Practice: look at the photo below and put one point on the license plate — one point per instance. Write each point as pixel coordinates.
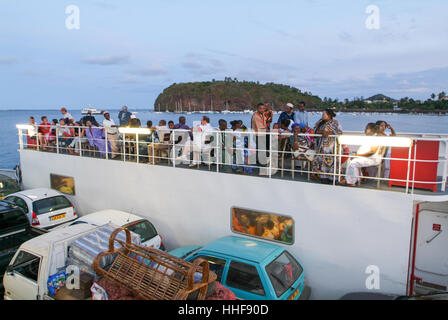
(294, 295)
(59, 216)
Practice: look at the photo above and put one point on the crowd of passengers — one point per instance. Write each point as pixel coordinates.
(313, 145)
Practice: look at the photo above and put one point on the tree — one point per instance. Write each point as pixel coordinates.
(442, 95)
(433, 96)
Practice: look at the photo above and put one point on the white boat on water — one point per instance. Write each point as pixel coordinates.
(383, 238)
(90, 110)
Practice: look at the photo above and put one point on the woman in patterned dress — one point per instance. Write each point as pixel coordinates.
(325, 159)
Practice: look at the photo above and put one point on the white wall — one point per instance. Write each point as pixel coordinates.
(339, 230)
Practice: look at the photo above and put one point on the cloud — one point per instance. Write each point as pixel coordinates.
(107, 61)
(8, 60)
(150, 71)
(200, 64)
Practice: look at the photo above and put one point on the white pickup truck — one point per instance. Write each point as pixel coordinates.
(26, 277)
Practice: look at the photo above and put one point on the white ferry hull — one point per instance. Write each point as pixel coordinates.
(339, 232)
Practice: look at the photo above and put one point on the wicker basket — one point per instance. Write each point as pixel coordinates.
(152, 274)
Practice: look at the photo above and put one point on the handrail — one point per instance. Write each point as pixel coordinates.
(243, 150)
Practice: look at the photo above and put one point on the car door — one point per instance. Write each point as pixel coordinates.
(21, 278)
(244, 279)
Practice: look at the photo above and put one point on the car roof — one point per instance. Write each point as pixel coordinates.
(244, 248)
(38, 194)
(41, 244)
(119, 218)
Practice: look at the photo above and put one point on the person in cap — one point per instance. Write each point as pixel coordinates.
(112, 134)
(67, 116)
(301, 115)
(288, 113)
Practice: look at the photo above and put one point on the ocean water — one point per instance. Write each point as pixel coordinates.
(9, 157)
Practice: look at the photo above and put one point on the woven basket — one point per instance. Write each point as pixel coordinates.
(152, 274)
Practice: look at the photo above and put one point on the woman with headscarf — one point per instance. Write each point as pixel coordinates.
(325, 159)
(96, 136)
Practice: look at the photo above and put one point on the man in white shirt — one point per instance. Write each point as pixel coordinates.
(112, 134)
(301, 115)
(201, 143)
(67, 116)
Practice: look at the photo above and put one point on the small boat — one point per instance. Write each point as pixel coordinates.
(91, 110)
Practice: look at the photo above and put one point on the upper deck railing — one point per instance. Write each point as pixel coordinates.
(416, 163)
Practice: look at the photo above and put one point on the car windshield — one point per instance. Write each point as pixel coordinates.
(8, 186)
(283, 272)
(50, 204)
(144, 229)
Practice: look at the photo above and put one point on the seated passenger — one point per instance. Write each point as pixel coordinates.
(367, 156)
(301, 145)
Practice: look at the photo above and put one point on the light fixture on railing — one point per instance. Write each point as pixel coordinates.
(25, 126)
(134, 130)
(403, 142)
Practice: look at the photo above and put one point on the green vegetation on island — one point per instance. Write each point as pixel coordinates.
(234, 95)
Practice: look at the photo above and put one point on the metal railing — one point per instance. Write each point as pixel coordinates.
(269, 154)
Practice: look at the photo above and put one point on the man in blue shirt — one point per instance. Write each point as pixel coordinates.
(301, 115)
(287, 114)
(124, 116)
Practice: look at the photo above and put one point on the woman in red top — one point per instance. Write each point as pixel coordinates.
(44, 131)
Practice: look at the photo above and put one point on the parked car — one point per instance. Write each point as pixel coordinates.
(252, 269)
(15, 229)
(385, 296)
(8, 185)
(141, 226)
(26, 276)
(45, 208)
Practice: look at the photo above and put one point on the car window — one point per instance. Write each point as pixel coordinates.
(283, 272)
(18, 202)
(216, 265)
(27, 265)
(12, 218)
(144, 229)
(50, 204)
(245, 277)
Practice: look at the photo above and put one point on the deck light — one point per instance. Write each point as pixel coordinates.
(134, 130)
(403, 142)
(25, 126)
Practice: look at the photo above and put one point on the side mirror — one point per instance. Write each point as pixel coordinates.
(10, 270)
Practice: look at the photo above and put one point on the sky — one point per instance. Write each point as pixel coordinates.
(127, 52)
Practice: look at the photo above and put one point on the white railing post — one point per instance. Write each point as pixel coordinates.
(20, 139)
(152, 146)
(334, 159)
(409, 168)
(218, 152)
(173, 133)
(79, 141)
(124, 147)
(137, 147)
(57, 138)
(107, 147)
(270, 154)
(37, 137)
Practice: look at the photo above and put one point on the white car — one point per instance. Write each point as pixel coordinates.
(44, 208)
(139, 225)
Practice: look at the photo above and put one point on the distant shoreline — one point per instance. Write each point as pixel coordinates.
(413, 112)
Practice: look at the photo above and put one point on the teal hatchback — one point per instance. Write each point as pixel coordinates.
(253, 270)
